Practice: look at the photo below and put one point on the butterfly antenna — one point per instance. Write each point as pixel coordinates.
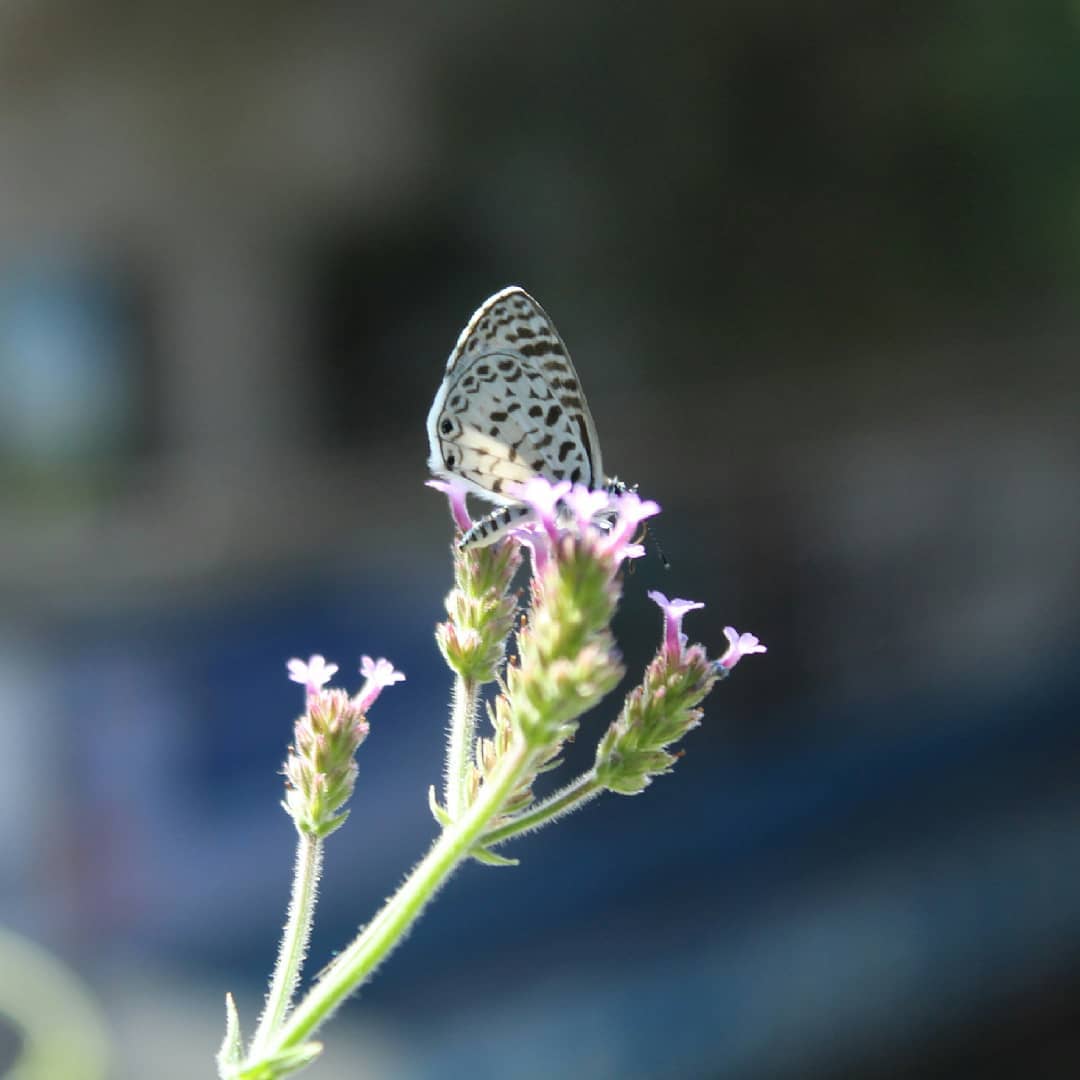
(651, 533)
(664, 561)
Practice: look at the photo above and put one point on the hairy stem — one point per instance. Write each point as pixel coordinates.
(360, 959)
(460, 749)
(294, 939)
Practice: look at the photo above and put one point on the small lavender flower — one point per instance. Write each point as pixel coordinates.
(739, 645)
(314, 674)
(455, 491)
(532, 535)
(378, 674)
(674, 610)
(586, 505)
(631, 511)
(544, 498)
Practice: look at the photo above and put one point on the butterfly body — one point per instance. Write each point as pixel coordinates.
(511, 407)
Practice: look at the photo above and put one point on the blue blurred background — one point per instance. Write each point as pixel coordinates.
(818, 267)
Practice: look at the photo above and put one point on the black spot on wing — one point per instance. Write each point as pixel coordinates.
(583, 431)
(542, 347)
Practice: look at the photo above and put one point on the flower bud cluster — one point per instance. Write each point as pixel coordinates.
(656, 714)
(320, 771)
(566, 653)
(664, 707)
(480, 607)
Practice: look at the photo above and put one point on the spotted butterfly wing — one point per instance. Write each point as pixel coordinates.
(510, 407)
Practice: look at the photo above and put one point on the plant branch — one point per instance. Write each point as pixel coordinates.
(563, 802)
(360, 959)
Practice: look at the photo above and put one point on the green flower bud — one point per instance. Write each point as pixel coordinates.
(481, 611)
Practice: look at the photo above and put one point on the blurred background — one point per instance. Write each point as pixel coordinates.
(817, 266)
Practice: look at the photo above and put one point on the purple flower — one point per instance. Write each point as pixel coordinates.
(314, 674)
(586, 504)
(739, 645)
(532, 535)
(543, 496)
(631, 511)
(455, 491)
(379, 674)
(673, 610)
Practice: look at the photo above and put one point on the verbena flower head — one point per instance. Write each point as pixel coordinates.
(321, 770)
(739, 645)
(455, 492)
(315, 673)
(666, 705)
(674, 610)
(605, 522)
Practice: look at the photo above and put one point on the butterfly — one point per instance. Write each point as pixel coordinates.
(511, 407)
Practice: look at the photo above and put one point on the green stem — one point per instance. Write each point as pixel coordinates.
(567, 799)
(294, 939)
(386, 930)
(459, 751)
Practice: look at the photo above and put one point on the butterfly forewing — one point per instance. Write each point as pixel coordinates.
(510, 406)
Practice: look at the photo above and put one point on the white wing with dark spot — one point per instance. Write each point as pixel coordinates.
(510, 405)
